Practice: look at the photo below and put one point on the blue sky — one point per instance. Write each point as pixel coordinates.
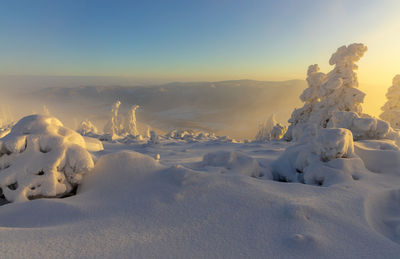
(187, 40)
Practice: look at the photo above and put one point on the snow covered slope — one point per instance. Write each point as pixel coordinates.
(193, 203)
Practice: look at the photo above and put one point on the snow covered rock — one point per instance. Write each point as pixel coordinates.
(334, 143)
(327, 158)
(391, 109)
(41, 158)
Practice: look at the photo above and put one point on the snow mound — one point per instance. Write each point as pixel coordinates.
(383, 213)
(232, 162)
(113, 169)
(41, 158)
(325, 159)
(379, 156)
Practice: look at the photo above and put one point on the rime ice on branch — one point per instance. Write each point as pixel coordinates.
(391, 109)
(329, 93)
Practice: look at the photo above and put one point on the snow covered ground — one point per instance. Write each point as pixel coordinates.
(220, 206)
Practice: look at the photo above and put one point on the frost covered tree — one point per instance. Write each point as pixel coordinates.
(87, 128)
(148, 134)
(270, 130)
(154, 138)
(391, 109)
(265, 128)
(131, 127)
(277, 132)
(329, 93)
(113, 126)
(41, 158)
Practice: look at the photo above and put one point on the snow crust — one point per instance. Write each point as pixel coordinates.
(41, 158)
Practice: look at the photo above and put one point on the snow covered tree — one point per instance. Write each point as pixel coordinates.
(391, 109)
(329, 93)
(131, 127)
(277, 132)
(87, 128)
(265, 128)
(270, 130)
(113, 126)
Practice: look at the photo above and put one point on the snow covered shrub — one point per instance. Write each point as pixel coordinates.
(277, 132)
(41, 158)
(324, 159)
(391, 109)
(87, 128)
(329, 93)
(154, 139)
(270, 130)
(190, 135)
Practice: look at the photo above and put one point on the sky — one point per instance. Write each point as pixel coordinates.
(197, 40)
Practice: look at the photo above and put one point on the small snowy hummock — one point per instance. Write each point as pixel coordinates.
(391, 109)
(232, 162)
(41, 158)
(327, 158)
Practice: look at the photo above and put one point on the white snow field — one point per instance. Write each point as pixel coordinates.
(208, 200)
(329, 187)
